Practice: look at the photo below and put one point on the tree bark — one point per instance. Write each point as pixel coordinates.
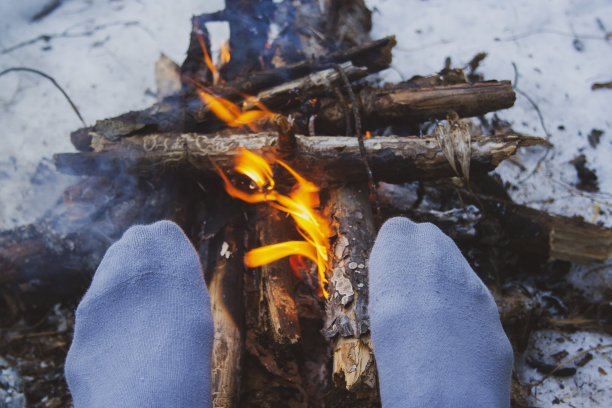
(347, 320)
(226, 303)
(409, 103)
(327, 159)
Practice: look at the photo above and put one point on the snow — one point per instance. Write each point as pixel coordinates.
(102, 52)
(539, 39)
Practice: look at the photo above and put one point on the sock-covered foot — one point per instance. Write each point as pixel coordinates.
(437, 336)
(143, 332)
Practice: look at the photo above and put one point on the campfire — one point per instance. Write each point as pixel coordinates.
(280, 161)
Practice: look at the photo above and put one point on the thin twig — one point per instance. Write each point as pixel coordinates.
(50, 78)
(68, 34)
(539, 113)
(537, 109)
(359, 134)
(589, 196)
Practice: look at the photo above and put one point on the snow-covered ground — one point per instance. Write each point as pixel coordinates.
(103, 52)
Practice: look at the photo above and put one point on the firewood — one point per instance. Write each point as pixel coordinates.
(328, 159)
(347, 322)
(411, 102)
(177, 115)
(554, 237)
(277, 277)
(374, 55)
(524, 231)
(225, 289)
(405, 103)
(309, 86)
(63, 248)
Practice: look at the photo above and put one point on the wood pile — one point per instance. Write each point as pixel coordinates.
(276, 342)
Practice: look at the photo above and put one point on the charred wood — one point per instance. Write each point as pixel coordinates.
(60, 250)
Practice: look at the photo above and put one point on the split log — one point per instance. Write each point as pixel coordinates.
(278, 283)
(347, 321)
(554, 237)
(325, 158)
(528, 232)
(226, 303)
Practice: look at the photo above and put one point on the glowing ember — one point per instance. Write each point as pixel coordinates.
(300, 204)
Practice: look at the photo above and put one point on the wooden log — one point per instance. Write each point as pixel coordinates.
(226, 303)
(328, 159)
(178, 115)
(554, 237)
(310, 86)
(347, 321)
(62, 249)
(410, 103)
(405, 103)
(278, 283)
(524, 231)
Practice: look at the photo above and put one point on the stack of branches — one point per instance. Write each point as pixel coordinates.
(272, 332)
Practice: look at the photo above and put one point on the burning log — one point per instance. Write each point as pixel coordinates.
(347, 321)
(330, 159)
(278, 286)
(404, 103)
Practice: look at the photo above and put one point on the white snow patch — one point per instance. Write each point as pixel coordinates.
(542, 39)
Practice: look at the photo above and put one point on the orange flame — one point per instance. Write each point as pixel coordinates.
(224, 54)
(231, 113)
(300, 204)
(367, 134)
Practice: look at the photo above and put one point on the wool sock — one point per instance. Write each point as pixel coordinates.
(143, 331)
(437, 337)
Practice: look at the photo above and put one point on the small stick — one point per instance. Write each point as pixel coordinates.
(50, 78)
(359, 133)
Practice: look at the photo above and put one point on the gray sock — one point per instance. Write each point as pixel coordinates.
(143, 333)
(437, 336)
